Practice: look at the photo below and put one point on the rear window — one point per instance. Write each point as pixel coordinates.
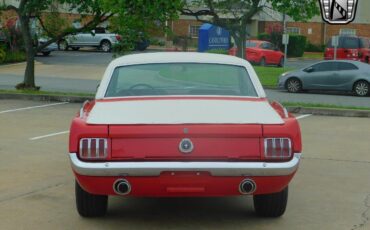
(180, 79)
(347, 43)
(250, 44)
(347, 66)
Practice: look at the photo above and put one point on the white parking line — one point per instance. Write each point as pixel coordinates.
(303, 116)
(32, 107)
(48, 135)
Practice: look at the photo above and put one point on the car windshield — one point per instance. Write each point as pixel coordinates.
(180, 79)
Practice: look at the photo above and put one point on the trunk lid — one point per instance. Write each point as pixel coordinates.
(228, 129)
(183, 111)
(162, 142)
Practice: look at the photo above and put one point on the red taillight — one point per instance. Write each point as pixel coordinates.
(278, 148)
(93, 148)
(118, 37)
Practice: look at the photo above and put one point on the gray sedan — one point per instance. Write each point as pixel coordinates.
(329, 75)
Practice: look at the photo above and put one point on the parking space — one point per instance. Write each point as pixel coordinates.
(330, 191)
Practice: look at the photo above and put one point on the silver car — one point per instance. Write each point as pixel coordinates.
(99, 38)
(329, 75)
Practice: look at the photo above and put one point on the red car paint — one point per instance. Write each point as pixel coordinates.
(258, 51)
(231, 143)
(350, 48)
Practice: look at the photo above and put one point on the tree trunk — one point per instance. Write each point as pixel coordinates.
(240, 38)
(29, 74)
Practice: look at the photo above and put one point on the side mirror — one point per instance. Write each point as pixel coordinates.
(309, 69)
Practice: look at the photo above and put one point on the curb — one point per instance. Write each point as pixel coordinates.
(42, 97)
(330, 112)
(291, 109)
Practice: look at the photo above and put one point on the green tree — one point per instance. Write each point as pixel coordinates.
(28, 10)
(131, 17)
(134, 19)
(235, 15)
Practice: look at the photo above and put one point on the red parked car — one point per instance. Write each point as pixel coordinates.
(183, 125)
(349, 48)
(262, 53)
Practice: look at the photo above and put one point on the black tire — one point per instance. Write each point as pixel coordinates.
(46, 53)
(293, 85)
(367, 60)
(263, 62)
(89, 205)
(63, 45)
(106, 46)
(271, 205)
(75, 48)
(281, 62)
(361, 88)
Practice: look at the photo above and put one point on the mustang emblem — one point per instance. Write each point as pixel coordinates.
(186, 146)
(338, 11)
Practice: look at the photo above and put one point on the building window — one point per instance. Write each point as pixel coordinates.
(194, 31)
(346, 31)
(293, 30)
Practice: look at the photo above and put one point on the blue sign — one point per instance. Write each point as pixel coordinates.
(213, 37)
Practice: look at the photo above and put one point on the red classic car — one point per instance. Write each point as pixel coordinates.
(262, 53)
(183, 125)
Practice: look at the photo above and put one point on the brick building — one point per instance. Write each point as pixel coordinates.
(316, 30)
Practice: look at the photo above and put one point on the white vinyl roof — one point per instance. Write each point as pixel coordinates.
(177, 57)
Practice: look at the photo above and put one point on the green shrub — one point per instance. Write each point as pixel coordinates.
(264, 36)
(218, 51)
(297, 45)
(2, 55)
(14, 56)
(314, 48)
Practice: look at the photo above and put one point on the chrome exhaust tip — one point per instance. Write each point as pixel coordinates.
(121, 187)
(247, 186)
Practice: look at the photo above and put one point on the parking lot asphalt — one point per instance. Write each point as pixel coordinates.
(82, 71)
(331, 190)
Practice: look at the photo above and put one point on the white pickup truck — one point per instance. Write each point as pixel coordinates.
(99, 38)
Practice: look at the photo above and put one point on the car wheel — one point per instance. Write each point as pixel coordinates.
(271, 205)
(293, 85)
(89, 205)
(367, 60)
(281, 62)
(361, 88)
(75, 48)
(106, 46)
(63, 45)
(263, 62)
(46, 53)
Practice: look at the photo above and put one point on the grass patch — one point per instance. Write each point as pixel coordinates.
(313, 55)
(13, 57)
(269, 76)
(48, 93)
(324, 106)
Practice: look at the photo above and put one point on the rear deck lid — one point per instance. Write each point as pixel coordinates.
(183, 111)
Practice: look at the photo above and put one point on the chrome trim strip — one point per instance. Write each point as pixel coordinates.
(156, 168)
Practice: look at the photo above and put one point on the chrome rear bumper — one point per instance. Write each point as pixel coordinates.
(156, 168)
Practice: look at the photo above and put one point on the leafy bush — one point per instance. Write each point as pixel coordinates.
(264, 37)
(156, 42)
(314, 48)
(2, 56)
(14, 56)
(297, 45)
(218, 51)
